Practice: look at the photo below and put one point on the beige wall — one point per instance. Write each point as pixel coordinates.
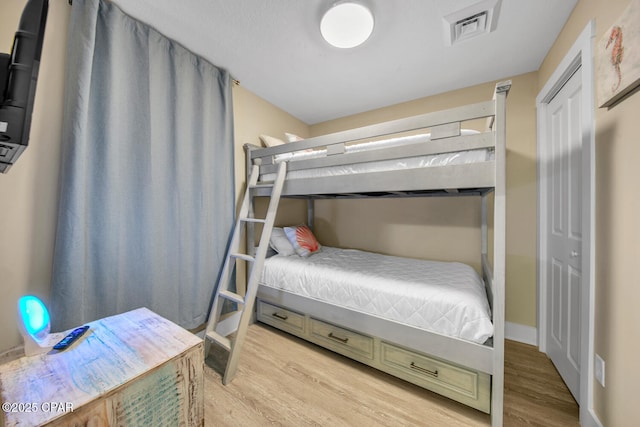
(253, 117)
(29, 191)
(448, 228)
(617, 318)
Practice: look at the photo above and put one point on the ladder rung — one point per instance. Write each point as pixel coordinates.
(223, 341)
(232, 296)
(263, 185)
(256, 220)
(242, 256)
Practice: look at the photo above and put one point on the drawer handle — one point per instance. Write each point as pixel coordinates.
(424, 370)
(280, 316)
(335, 337)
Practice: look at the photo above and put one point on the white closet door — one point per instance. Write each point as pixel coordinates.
(565, 233)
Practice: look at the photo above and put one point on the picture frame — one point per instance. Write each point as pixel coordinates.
(617, 59)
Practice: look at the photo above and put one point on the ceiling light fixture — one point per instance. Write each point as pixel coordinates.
(347, 24)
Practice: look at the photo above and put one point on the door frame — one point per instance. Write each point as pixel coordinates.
(579, 59)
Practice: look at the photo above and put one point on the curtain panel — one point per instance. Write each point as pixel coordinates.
(146, 190)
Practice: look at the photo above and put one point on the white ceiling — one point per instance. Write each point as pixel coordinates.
(274, 48)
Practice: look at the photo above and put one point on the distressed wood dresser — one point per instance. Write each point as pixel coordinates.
(136, 368)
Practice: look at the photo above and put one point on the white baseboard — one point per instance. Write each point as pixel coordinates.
(521, 333)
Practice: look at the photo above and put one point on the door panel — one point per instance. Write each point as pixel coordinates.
(575, 282)
(556, 301)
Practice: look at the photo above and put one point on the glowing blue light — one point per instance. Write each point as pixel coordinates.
(34, 316)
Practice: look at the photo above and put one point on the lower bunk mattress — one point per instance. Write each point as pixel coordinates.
(448, 298)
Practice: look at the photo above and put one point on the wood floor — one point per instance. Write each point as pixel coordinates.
(285, 381)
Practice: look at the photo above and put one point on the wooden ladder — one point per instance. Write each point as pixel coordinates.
(229, 331)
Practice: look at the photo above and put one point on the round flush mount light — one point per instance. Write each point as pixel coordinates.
(347, 25)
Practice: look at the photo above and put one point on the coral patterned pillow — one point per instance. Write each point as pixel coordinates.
(302, 239)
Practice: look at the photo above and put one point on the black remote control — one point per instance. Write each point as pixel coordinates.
(69, 339)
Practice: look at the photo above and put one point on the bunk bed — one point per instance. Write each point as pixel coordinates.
(425, 155)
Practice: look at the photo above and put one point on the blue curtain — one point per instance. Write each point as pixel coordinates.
(146, 190)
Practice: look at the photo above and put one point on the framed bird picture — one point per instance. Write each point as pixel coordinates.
(618, 58)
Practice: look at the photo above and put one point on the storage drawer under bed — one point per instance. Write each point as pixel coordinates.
(281, 318)
(457, 382)
(340, 340)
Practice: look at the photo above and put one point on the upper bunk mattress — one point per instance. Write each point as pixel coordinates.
(444, 297)
(441, 159)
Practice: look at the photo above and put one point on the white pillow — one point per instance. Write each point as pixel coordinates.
(292, 137)
(270, 141)
(280, 243)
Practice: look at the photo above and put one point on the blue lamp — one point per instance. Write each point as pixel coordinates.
(34, 324)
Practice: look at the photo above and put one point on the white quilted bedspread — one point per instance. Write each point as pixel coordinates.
(444, 297)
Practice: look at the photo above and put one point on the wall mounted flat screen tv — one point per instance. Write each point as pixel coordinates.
(18, 78)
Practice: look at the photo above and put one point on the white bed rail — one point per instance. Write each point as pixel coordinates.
(442, 124)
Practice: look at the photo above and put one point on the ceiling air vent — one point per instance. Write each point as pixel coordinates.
(472, 21)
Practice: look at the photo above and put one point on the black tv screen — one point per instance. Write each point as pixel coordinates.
(18, 78)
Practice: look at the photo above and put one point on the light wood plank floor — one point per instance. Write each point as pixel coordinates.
(285, 381)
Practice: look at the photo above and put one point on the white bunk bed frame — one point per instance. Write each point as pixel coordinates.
(476, 179)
